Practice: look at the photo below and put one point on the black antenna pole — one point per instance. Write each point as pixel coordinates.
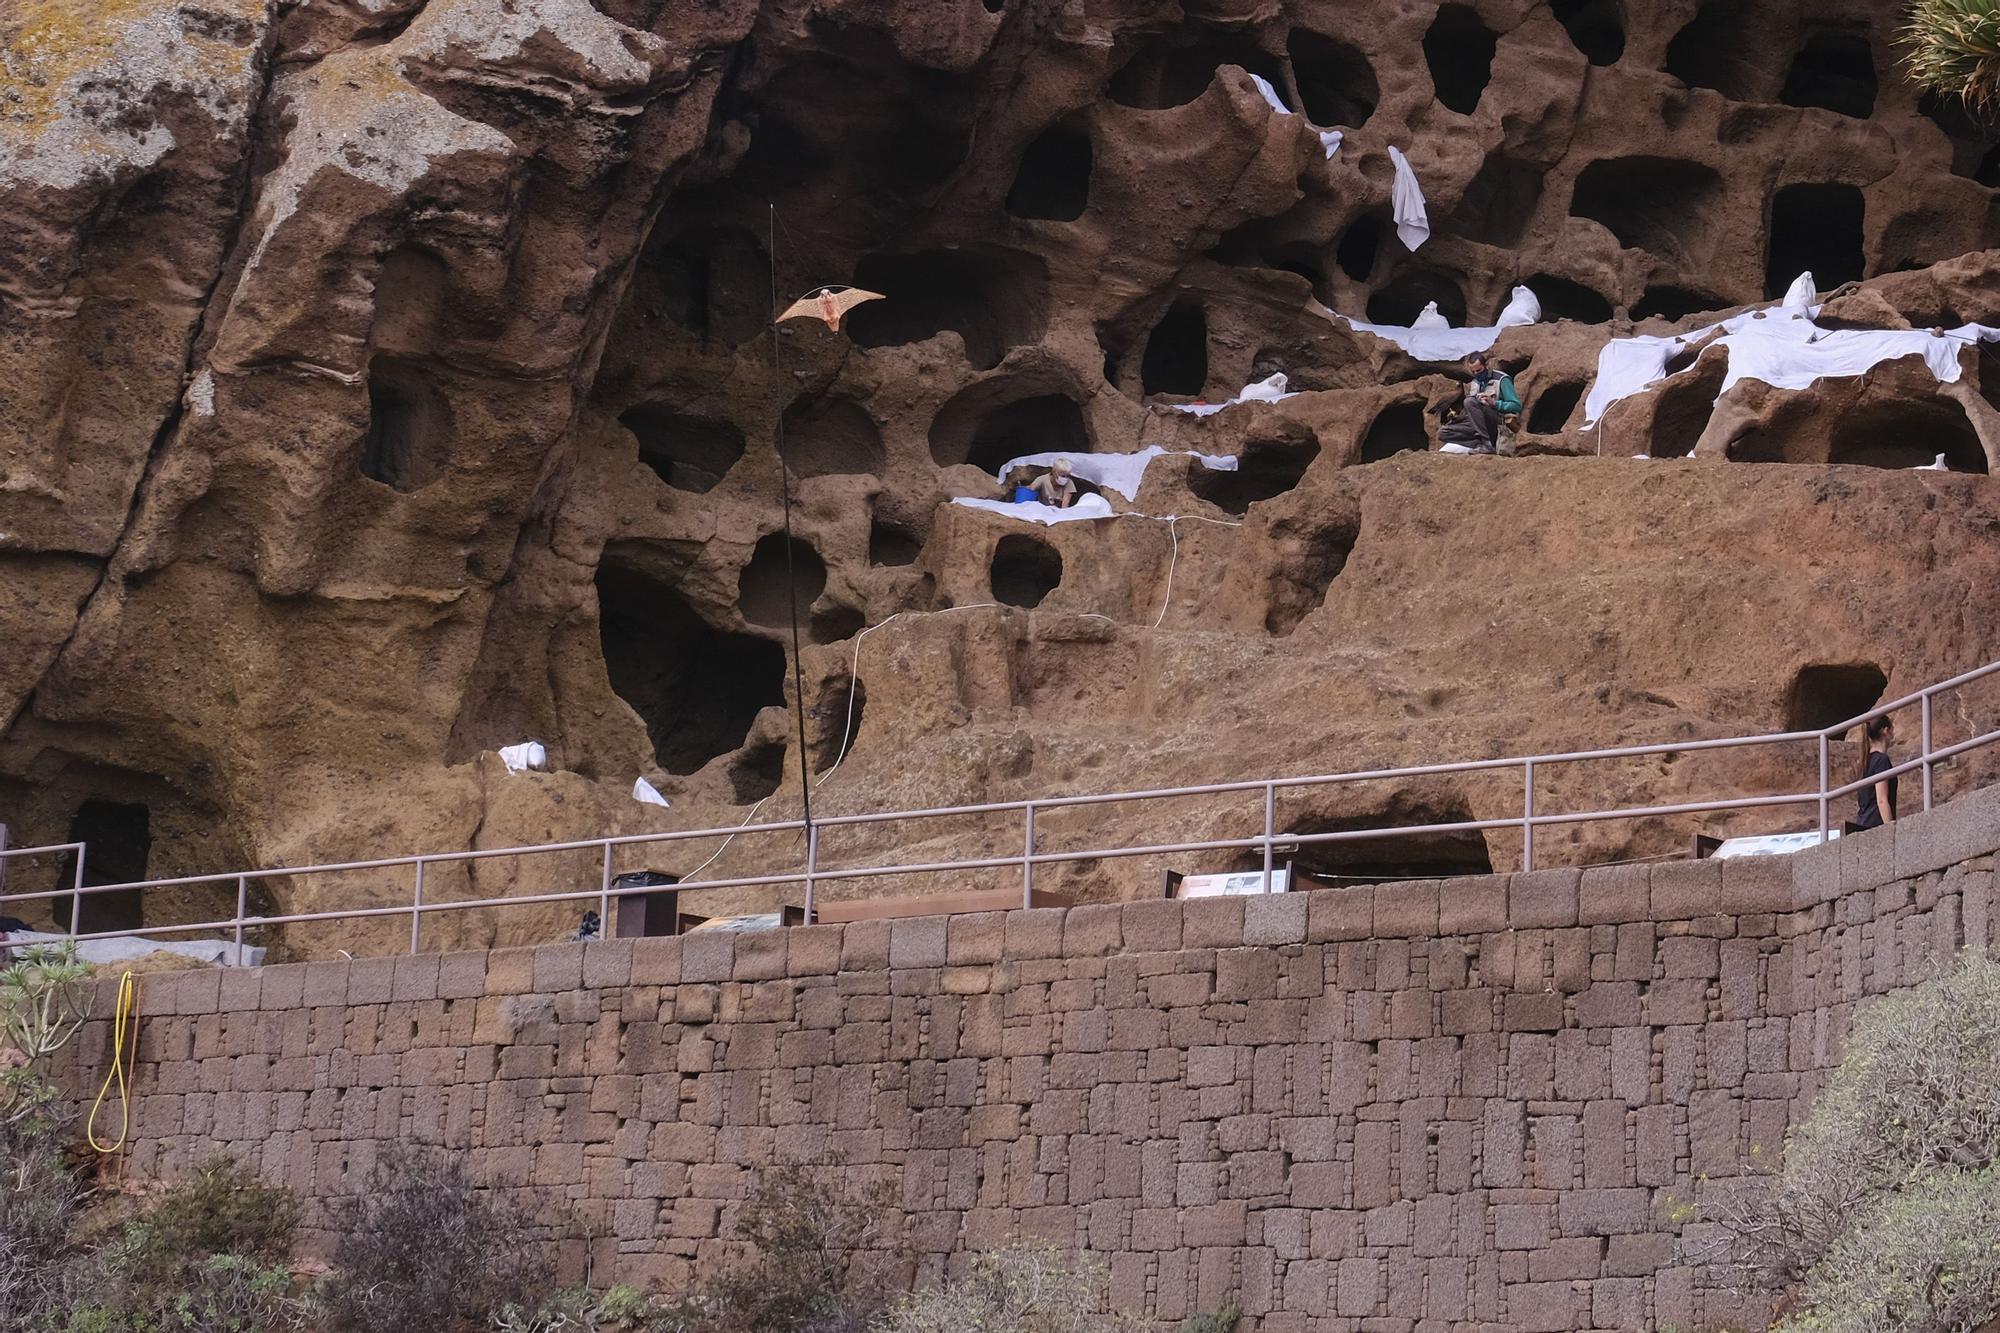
(791, 578)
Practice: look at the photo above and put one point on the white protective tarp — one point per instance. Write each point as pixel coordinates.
(1123, 473)
(1086, 507)
(527, 755)
(1328, 139)
(124, 948)
(1413, 223)
(1769, 844)
(1779, 347)
(645, 793)
(1437, 340)
(1523, 308)
(1271, 390)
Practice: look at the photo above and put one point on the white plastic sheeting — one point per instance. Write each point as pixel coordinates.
(1769, 844)
(527, 755)
(1413, 222)
(1428, 340)
(124, 948)
(1328, 139)
(1430, 318)
(1123, 473)
(1034, 511)
(1801, 294)
(645, 793)
(1780, 347)
(1272, 390)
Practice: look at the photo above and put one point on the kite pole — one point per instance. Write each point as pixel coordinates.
(828, 304)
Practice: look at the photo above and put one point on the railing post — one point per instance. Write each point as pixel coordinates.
(1927, 750)
(1825, 775)
(417, 909)
(76, 894)
(242, 908)
(1527, 814)
(1270, 829)
(812, 867)
(1028, 860)
(604, 896)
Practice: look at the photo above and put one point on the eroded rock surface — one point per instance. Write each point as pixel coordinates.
(390, 381)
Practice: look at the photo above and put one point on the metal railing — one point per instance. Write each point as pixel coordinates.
(812, 874)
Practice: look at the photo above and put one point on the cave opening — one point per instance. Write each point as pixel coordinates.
(995, 299)
(1399, 428)
(1053, 181)
(892, 544)
(1563, 299)
(1459, 50)
(1394, 856)
(1553, 407)
(1265, 470)
(762, 588)
(1657, 204)
(1399, 301)
(836, 623)
(1025, 570)
(1835, 69)
(1335, 81)
(697, 688)
(1826, 694)
(1045, 423)
(1176, 357)
(1358, 247)
(829, 437)
(409, 425)
(1164, 74)
(1906, 433)
(118, 844)
(1597, 27)
(713, 282)
(1686, 403)
(1818, 228)
(688, 453)
(1499, 203)
(839, 713)
(1714, 50)
(755, 774)
(1975, 144)
(1672, 303)
(1310, 555)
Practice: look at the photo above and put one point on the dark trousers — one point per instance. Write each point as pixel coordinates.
(1478, 426)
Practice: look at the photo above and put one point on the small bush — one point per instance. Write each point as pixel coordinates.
(580, 1310)
(825, 1260)
(1224, 1320)
(422, 1251)
(1953, 47)
(207, 1256)
(1019, 1289)
(1884, 1215)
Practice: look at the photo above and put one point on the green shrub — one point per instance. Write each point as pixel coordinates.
(1954, 48)
(423, 1251)
(825, 1259)
(580, 1310)
(1224, 1320)
(1884, 1214)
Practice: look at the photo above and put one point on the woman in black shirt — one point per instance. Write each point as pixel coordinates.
(1877, 801)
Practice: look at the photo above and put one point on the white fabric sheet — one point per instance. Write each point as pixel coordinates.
(1523, 308)
(1328, 139)
(1430, 319)
(124, 948)
(1086, 507)
(1769, 844)
(1801, 294)
(1446, 344)
(526, 755)
(1413, 223)
(1270, 390)
(1123, 473)
(1781, 348)
(645, 793)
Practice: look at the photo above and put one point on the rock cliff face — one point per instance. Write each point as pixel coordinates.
(391, 380)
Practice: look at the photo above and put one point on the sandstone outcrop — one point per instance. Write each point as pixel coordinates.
(390, 381)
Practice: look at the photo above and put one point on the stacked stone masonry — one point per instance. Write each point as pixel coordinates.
(1475, 1103)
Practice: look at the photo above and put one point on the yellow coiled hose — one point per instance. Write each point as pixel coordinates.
(124, 1059)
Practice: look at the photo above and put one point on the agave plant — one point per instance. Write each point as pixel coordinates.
(44, 998)
(1954, 48)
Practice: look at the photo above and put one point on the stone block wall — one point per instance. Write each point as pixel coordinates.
(1475, 1103)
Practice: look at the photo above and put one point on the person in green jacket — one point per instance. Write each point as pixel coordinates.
(1474, 421)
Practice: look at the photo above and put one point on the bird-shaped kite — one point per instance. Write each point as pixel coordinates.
(828, 303)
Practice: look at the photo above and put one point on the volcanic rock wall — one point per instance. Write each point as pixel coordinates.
(390, 381)
(1494, 1102)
